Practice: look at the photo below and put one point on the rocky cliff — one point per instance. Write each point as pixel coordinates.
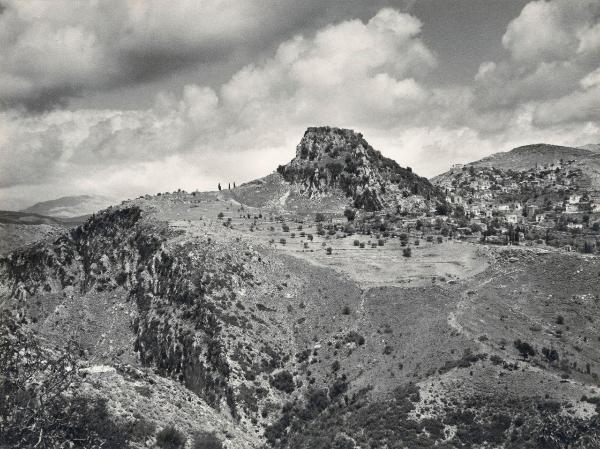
(333, 158)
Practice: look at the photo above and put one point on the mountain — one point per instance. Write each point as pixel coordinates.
(332, 158)
(594, 147)
(538, 157)
(218, 319)
(336, 168)
(71, 206)
(530, 156)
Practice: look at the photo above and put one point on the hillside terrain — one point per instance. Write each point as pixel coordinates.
(319, 307)
(71, 206)
(21, 228)
(530, 156)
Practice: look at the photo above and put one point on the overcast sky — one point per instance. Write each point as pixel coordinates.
(121, 98)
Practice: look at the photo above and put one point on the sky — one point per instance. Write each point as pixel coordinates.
(126, 97)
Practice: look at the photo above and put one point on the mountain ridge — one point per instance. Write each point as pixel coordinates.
(71, 206)
(528, 156)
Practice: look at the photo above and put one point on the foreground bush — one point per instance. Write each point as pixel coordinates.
(40, 402)
(170, 438)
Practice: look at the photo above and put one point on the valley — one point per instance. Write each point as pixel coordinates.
(336, 310)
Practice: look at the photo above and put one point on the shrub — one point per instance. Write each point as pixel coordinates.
(560, 320)
(380, 242)
(309, 237)
(355, 337)
(206, 440)
(329, 250)
(221, 215)
(524, 348)
(346, 310)
(350, 214)
(282, 241)
(407, 252)
(319, 217)
(356, 243)
(65, 415)
(550, 354)
(335, 366)
(283, 381)
(170, 438)
(285, 228)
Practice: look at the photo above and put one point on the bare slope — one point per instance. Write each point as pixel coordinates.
(279, 350)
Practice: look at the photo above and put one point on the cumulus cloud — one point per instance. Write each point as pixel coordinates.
(553, 46)
(368, 74)
(53, 51)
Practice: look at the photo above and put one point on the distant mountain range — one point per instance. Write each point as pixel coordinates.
(71, 206)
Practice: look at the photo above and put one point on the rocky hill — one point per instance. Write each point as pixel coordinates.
(329, 159)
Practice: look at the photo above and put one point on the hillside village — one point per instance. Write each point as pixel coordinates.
(551, 202)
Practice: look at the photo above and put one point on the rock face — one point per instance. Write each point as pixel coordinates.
(333, 158)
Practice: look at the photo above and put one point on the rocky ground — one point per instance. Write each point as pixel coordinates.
(179, 316)
(243, 318)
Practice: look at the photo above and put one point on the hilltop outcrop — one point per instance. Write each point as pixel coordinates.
(333, 158)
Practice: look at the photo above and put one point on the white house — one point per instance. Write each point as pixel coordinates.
(571, 208)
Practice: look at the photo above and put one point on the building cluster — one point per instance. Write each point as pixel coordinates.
(554, 196)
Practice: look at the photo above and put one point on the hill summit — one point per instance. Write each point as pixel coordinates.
(333, 158)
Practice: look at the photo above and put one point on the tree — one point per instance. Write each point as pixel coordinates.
(350, 214)
(524, 348)
(170, 438)
(319, 217)
(550, 354)
(442, 209)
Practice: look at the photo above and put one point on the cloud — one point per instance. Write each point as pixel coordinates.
(551, 46)
(368, 74)
(53, 51)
